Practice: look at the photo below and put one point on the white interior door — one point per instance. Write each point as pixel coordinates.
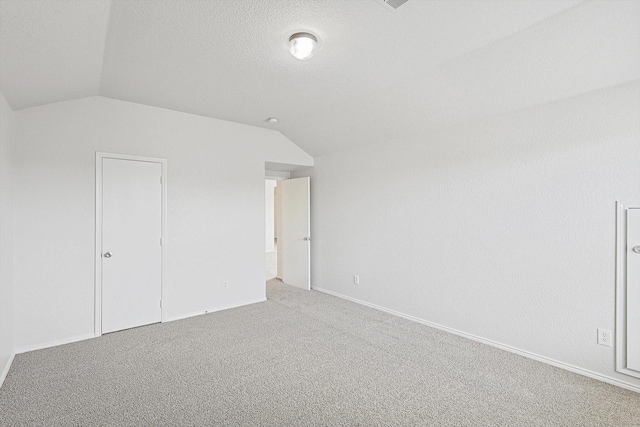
(131, 245)
(633, 289)
(295, 247)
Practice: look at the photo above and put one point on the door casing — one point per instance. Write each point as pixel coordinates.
(98, 233)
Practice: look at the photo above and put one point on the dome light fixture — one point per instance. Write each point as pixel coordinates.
(272, 120)
(302, 45)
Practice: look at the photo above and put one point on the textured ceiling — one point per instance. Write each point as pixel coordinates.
(51, 50)
(377, 76)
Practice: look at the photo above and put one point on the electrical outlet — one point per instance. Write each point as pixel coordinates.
(225, 285)
(356, 279)
(604, 337)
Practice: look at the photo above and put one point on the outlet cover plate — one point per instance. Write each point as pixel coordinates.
(605, 337)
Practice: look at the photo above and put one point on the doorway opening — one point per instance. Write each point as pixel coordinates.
(273, 222)
(287, 225)
(271, 228)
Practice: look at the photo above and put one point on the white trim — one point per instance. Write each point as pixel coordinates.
(98, 234)
(276, 175)
(5, 371)
(501, 346)
(224, 307)
(54, 343)
(621, 292)
(91, 336)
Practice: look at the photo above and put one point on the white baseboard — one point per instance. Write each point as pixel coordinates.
(5, 370)
(539, 358)
(213, 310)
(53, 343)
(89, 336)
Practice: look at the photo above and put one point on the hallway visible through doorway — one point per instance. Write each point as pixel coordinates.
(271, 252)
(287, 227)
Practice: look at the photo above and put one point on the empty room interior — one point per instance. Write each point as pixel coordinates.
(444, 195)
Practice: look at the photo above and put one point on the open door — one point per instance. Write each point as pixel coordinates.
(294, 249)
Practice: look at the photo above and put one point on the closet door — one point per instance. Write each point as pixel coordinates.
(633, 289)
(131, 243)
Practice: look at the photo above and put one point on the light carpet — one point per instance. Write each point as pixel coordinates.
(302, 358)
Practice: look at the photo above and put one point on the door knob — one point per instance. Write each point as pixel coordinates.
(107, 255)
(636, 249)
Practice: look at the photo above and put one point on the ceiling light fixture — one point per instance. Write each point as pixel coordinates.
(272, 120)
(302, 45)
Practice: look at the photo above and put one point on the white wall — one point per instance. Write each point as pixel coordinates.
(6, 238)
(215, 218)
(269, 214)
(502, 228)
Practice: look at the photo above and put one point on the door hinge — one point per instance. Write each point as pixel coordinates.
(160, 303)
(161, 241)
(160, 179)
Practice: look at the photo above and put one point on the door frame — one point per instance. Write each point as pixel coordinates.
(98, 233)
(621, 292)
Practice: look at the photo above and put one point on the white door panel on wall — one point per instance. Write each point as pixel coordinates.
(633, 289)
(131, 246)
(628, 290)
(295, 248)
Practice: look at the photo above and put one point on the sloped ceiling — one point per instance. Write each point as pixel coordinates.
(51, 50)
(377, 75)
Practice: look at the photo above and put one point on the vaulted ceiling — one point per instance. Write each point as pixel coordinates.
(377, 76)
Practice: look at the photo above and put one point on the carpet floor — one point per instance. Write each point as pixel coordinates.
(302, 358)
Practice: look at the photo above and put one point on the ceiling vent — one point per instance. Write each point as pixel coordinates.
(391, 5)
